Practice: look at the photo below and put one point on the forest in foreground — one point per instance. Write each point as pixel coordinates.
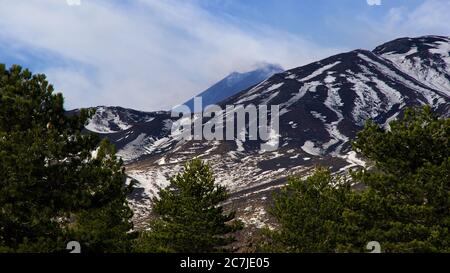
(59, 184)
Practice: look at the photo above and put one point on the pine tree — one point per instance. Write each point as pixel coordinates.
(406, 206)
(404, 203)
(189, 215)
(309, 214)
(52, 188)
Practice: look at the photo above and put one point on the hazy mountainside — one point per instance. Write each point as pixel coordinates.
(322, 107)
(234, 83)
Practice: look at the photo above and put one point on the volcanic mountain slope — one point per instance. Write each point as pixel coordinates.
(234, 83)
(425, 58)
(109, 120)
(322, 107)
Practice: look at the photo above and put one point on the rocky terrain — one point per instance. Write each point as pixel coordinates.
(322, 106)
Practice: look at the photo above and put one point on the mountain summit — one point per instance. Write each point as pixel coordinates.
(234, 83)
(426, 58)
(322, 107)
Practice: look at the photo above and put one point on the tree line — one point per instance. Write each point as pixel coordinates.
(59, 184)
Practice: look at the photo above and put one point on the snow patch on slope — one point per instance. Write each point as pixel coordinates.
(319, 71)
(431, 97)
(310, 148)
(103, 117)
(433, 76)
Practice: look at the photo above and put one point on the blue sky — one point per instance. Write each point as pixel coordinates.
(153, 54)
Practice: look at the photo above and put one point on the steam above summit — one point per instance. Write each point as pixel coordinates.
(322, 107)
(233, 83)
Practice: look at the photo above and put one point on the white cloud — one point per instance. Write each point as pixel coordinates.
(146, 54)
(73, 2)
(429, 18)
(374, 2)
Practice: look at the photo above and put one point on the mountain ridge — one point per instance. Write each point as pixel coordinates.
(233, 83)
(322, 106)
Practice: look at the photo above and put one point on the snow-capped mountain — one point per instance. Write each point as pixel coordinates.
(322, 107)
(424, 58)
(108, 120)
(234, 83)
(324, 104)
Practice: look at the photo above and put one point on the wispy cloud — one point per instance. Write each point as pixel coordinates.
(73, 2)
(431, 17)
(374, 2)
(146, 54)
